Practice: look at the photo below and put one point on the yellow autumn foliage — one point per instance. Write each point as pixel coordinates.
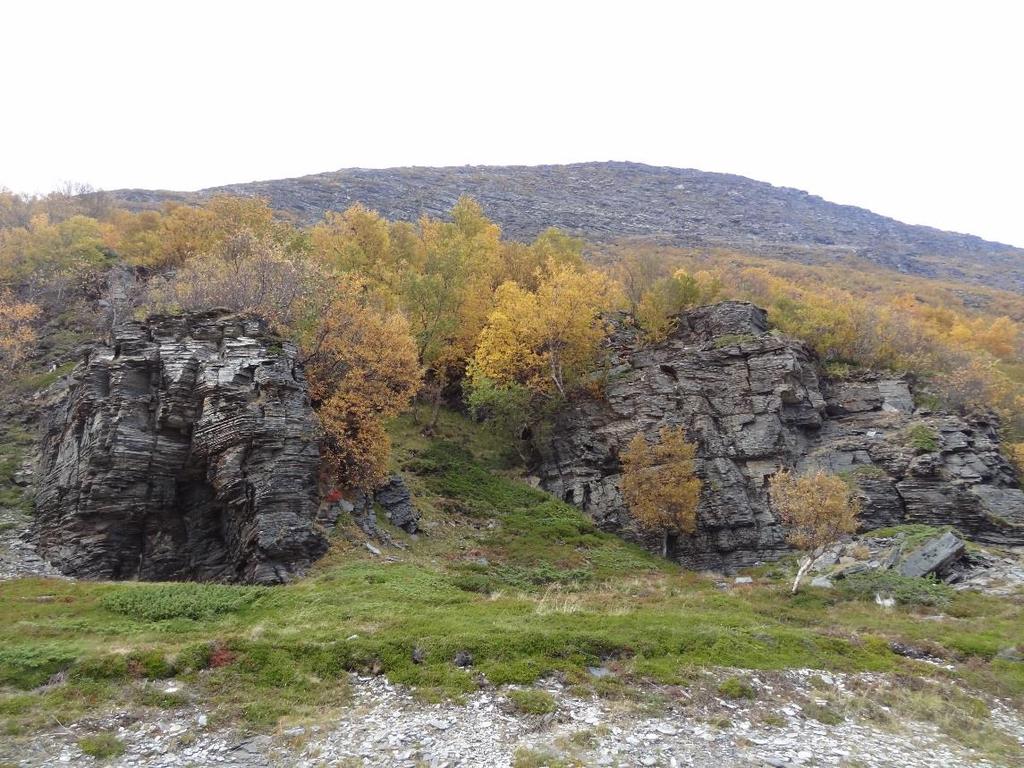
(660, 484)
(548, 338)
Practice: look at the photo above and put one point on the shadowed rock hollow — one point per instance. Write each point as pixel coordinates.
(754, 401)
(187, 450)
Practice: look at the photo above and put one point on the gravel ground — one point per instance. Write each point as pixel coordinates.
(386, 726)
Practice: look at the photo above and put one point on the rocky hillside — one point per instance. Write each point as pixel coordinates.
(754, 402)
(608, 201)
(188, 449)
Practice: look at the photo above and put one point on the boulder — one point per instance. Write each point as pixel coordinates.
(396, 501)
(934, 556)
(186, 449)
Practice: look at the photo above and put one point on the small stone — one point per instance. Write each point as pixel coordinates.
(373, 550)
(821, 582)
(743, 580)
(463, 659)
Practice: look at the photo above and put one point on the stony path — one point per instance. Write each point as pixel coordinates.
(386, 727)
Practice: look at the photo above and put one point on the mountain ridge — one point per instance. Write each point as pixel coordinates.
(610, 201)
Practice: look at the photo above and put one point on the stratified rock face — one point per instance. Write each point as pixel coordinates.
(754, 403)
(189, 450)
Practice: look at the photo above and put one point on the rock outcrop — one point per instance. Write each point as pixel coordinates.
(186, 450)
(754, 402)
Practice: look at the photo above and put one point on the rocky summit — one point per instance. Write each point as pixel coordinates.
(755, 401)
(187, 449)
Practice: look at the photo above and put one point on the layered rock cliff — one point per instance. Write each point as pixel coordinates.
(186, 450)
(755, 402)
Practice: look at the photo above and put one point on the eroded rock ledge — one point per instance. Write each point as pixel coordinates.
(187, 450)
(754, 402)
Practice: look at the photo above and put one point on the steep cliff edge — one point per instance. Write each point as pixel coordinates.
(754, 402)
(187, 450)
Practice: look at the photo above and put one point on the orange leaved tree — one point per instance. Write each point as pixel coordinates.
(660, 484)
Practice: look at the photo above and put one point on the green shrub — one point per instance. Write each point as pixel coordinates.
(905, 590)
(475, 582)
(530, 701)
(153, 665)
(102, 746)
(153, 697)
(160, 602)
(194, 657)
(923, 439)
(106, 667)
(736, 688)
(29, 666)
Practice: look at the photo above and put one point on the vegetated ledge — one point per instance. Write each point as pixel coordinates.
(755, 401)
(186, 450)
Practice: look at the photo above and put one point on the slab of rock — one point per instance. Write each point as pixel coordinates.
(187, 449)
(934, 556)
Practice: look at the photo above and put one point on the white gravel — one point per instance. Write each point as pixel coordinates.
(386, 726)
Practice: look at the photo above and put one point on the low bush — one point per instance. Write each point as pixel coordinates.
(736, 688)
(160, 602)
(905, 590)
(923, 438)
(102, 746)
(530, 701)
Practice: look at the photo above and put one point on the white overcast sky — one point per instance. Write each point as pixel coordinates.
(912, 109)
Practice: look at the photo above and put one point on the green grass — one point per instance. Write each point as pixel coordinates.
(102, 746)
(161, 602)
(736, 688)
(923, 439)
(906, 591)
(532, 702)
(542, 758)
(912, 535)
(521, 581)
(36, 381)
(15, 443)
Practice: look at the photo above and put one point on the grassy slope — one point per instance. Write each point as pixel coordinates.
(518, 579)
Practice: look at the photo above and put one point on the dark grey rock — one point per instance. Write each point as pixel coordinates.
(754, 402)
(933, 556)
(463, 659)
(186, 450)
(396, 501)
